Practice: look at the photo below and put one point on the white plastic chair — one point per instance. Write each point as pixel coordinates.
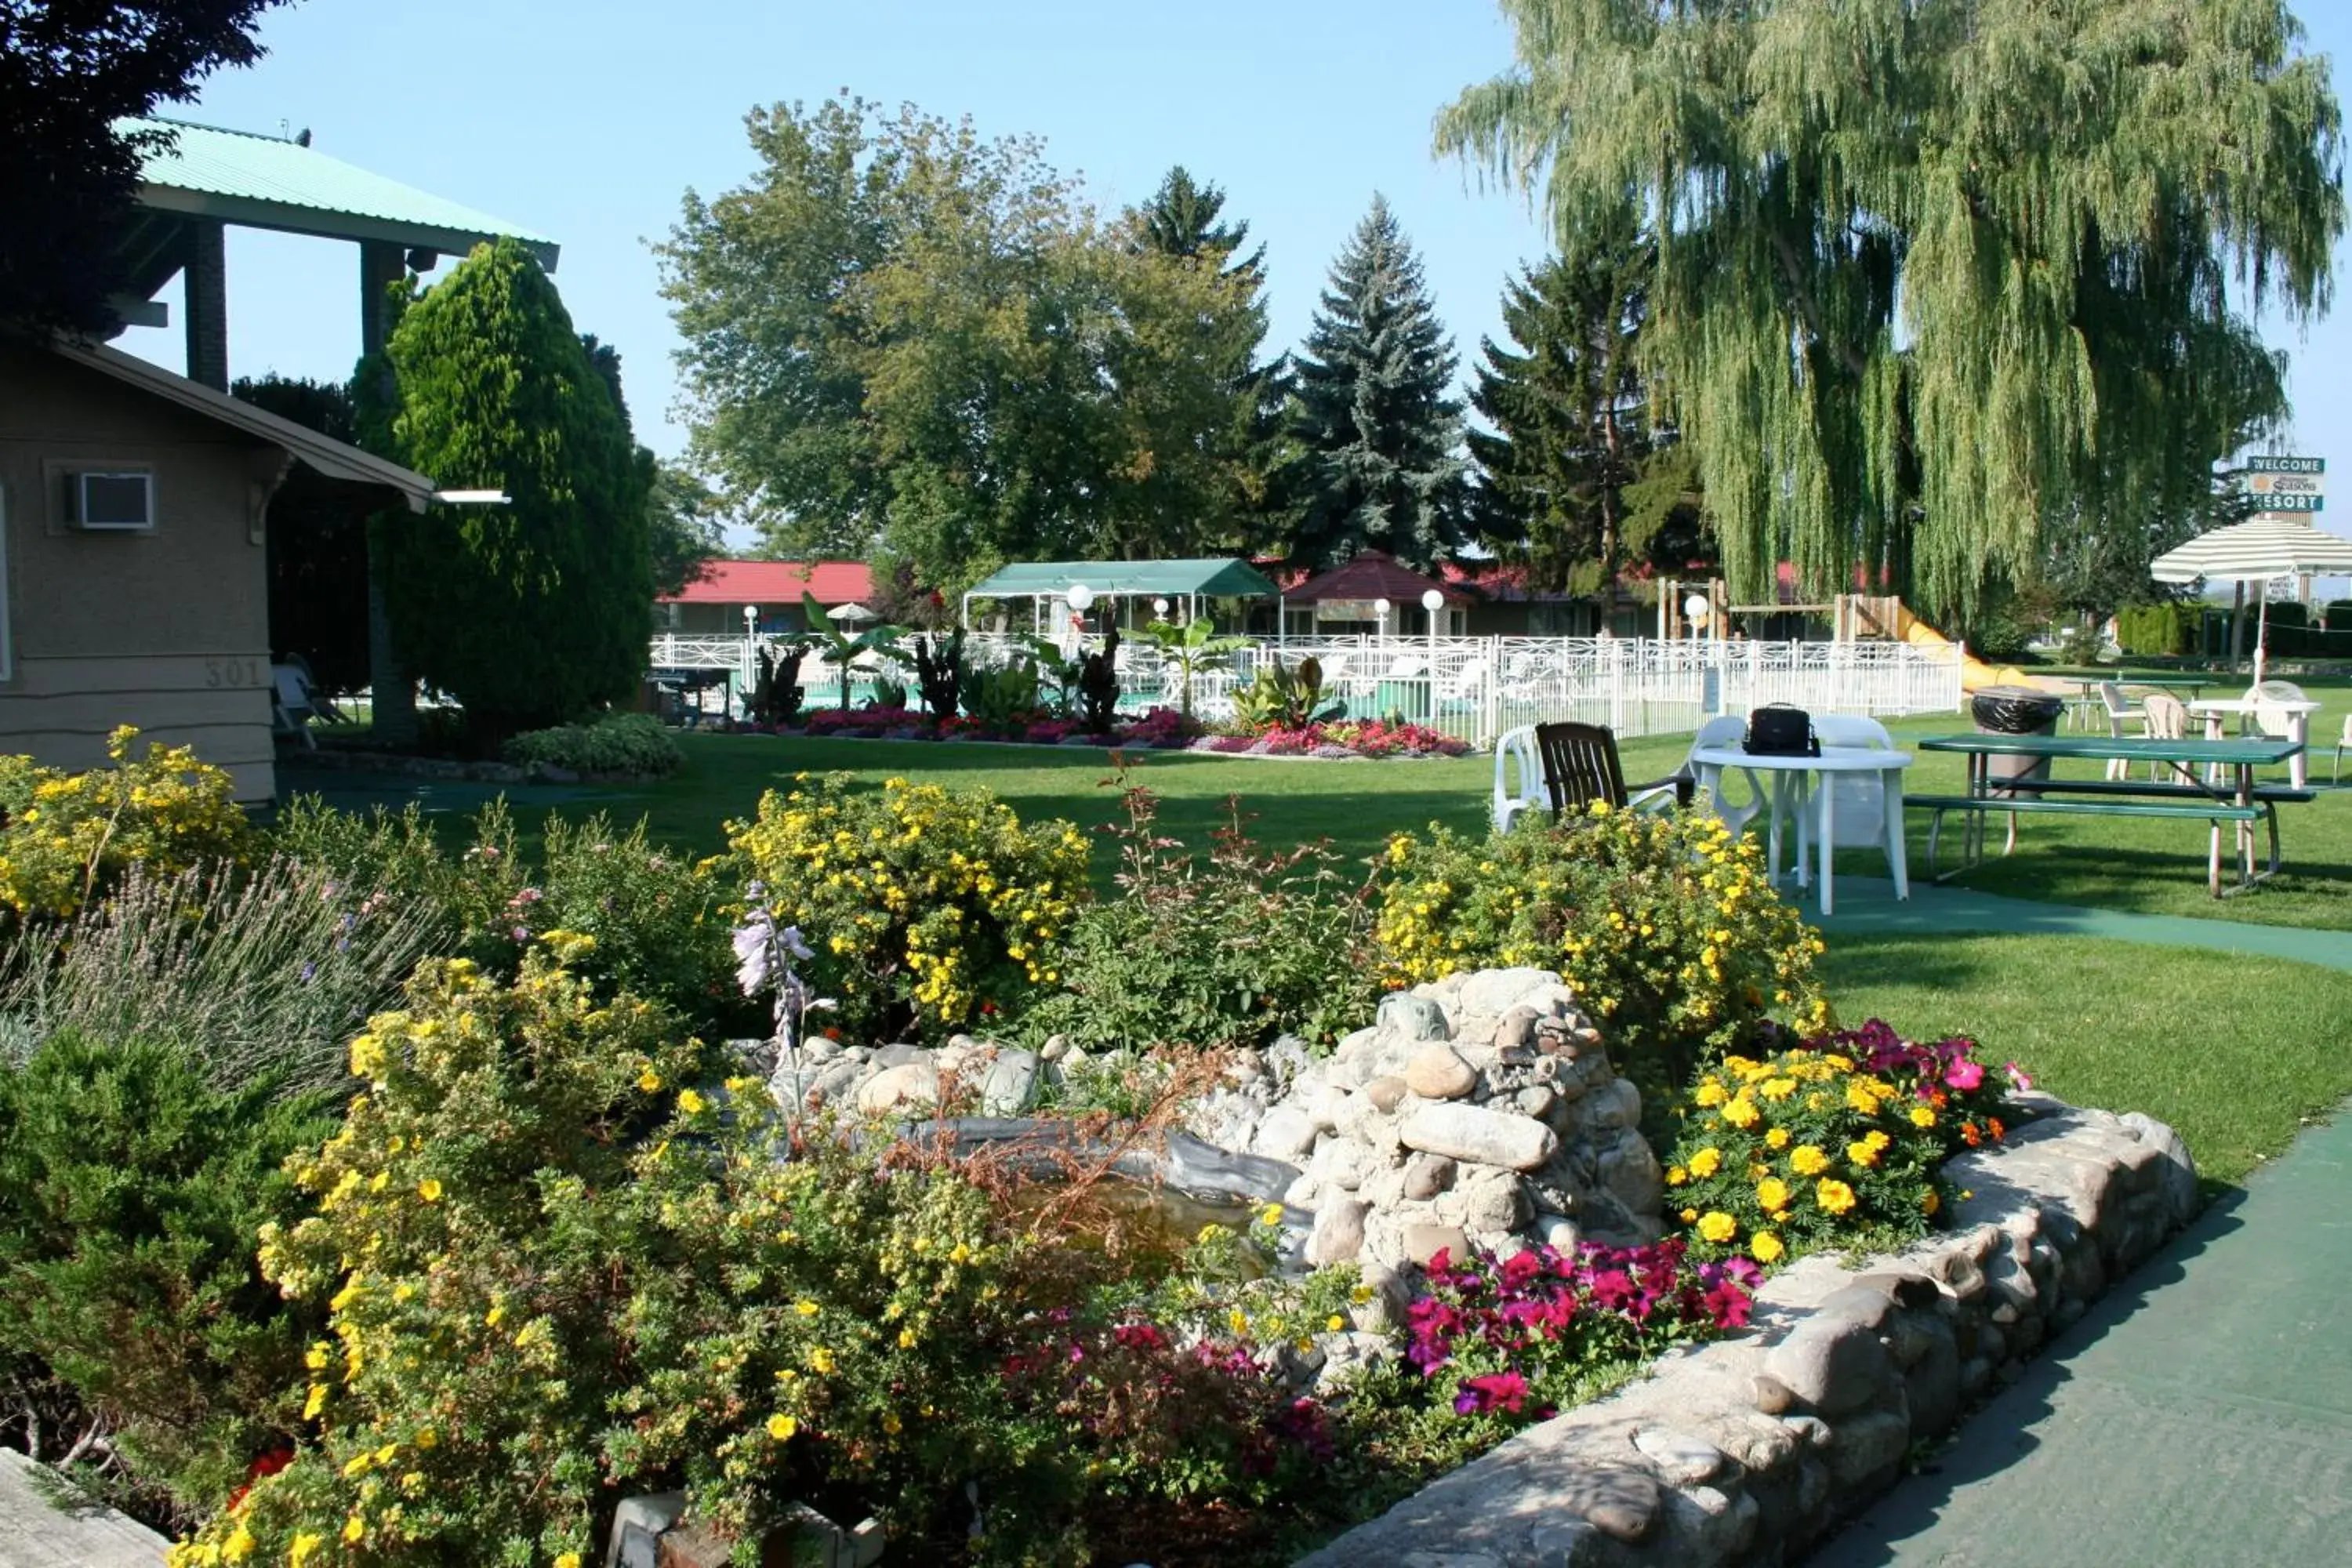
(1518, 778)
(2337, 776)
(1860, 803)
(2119, 712)
(291, 704)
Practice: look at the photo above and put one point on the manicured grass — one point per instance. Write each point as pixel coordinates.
(2236, 1053)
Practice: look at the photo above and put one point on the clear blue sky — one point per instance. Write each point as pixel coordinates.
(587, 121)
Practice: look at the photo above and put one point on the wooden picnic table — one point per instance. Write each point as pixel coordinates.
(2239, 800)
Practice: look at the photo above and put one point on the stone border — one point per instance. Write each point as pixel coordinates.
(1749, 1449)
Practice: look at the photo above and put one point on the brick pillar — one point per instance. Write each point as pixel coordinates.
(207, 307)
(392, 696)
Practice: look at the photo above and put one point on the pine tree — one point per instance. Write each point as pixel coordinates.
(1378, 466)
(1180, 220)
(536, 611)
(1570, 484)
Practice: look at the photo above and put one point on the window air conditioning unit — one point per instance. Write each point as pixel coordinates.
(113, 502)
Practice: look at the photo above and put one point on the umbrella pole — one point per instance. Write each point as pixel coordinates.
(2262, 633)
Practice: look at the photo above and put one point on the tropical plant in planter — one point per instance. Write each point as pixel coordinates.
(1285, 696)
(837, 646)
(776, 696)
(941, 673)
(1187, 648)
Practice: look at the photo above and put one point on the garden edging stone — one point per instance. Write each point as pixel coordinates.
(1812, 1407)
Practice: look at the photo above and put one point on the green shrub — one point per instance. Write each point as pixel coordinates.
(260, 977)
(1665, 925)
(1232, 950)
(656, 915)
(131, 1193)
(631, 744)
(67, 837)
(2165, 630)
(925, 907)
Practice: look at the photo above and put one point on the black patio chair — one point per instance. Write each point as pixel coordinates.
(1580, 766)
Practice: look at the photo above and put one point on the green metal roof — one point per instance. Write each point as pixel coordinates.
(1047, 579)
(267, 182)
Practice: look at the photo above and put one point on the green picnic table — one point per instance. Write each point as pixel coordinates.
(2240, 801)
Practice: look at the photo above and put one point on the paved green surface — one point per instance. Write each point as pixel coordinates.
(2199, 1416)
(1866, 904)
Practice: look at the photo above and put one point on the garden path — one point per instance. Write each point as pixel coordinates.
(2199, 1416)
(35, 1535)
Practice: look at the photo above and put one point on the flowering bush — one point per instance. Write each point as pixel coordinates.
(1665, 925)
(1364, 738)
(1833, 1144)
(555, 1270)
(868, 721)
(939, 904)
(1515, 1337)
(631, 743)
(66, 836)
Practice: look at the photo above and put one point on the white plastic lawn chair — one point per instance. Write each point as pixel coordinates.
(1859, 808)
(1518, 778)
(2337, 775)
(292, 704)
(2119, 712)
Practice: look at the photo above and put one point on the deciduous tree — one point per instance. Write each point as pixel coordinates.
(1936, 280)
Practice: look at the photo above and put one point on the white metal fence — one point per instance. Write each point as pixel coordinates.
(1477, 688)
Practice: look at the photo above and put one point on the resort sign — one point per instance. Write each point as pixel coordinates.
(2282, 485)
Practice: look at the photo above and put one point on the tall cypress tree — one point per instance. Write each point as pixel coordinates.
(532, 612)
(1570, 481)
(1378, 465)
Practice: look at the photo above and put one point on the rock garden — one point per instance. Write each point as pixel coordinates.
(895, 1186)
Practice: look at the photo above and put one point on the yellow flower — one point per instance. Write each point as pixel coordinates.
(1717, 1227)
(1764, 1246)
(1677, 1176)
(1710, 1094)
(1930, 1201)
(1922, 1117)
(1238, 1321)
(782, 1427)
(316, 1402)
(805, 1308)
(1690, 1217)
(357, 1466)
(1862, 1153)
(429, 1190)
(689, 1102)
(355, 1530)
(1270, 1215)
(1779, 1088)
(1778, 1138)
(1741, 1112)
(567, 1560)
(304, 1547)
(1834, 1196)
(649, 1080)
(821, 1362)
(1706, 1162)
(1859, 1095)
(906, 1338)
(425, 1437)
(1773, 1194)
(1808, 1161)
(1335, 1322)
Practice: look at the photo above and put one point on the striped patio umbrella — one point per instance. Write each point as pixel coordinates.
(2255, 552)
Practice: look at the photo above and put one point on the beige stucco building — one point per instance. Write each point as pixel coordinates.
(116, 608)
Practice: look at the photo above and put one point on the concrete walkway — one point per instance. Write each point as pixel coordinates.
(1867, 906)
(34, 1534)
(2201, 1416)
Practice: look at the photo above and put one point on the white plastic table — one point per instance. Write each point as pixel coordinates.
(1792, 792)
(2215, 709)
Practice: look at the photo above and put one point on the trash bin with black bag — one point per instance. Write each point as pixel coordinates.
(2016, 711)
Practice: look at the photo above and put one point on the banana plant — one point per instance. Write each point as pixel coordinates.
(835, 647)
(1190, 647)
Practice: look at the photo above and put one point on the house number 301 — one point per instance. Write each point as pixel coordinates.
(233, 672)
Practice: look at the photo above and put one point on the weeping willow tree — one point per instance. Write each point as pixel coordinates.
(1937, 280)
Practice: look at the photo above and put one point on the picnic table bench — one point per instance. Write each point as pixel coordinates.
(2241, 803)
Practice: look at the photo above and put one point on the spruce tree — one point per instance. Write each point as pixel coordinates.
(1378, 465)
(1570, 484)
(538, 610)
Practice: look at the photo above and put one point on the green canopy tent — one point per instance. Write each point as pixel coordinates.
(1082, 583)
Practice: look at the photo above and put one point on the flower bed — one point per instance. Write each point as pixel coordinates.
(1162, 729)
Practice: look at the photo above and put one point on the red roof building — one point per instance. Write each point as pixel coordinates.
(1347, 597)
(715, 600)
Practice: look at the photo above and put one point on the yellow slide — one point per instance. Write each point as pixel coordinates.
(1975, 673)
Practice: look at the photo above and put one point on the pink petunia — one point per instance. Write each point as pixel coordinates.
(1964, 1075)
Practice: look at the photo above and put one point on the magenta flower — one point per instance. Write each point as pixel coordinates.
(1495, 1390)
(2017, 1077)
(1964, 1075)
